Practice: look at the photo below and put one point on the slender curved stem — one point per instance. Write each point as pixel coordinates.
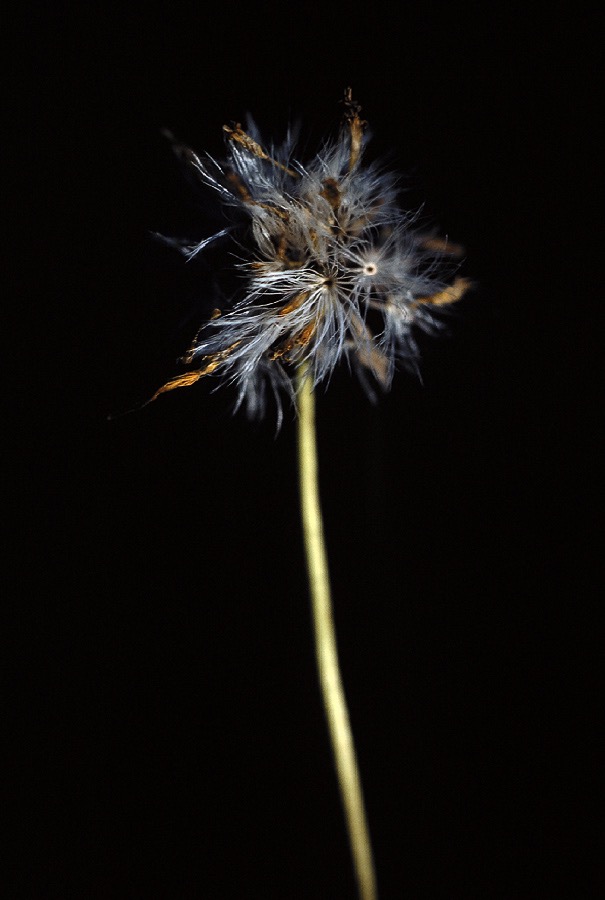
(325, 644)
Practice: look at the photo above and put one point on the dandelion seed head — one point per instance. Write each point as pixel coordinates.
(330, 268)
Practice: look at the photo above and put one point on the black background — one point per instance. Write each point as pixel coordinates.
(170, 738)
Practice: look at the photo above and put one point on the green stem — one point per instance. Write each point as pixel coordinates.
(333, 696)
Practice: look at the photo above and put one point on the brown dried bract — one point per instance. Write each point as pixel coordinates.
(189, 378)
(457, 289)
(237, 134)
(295, 303)
(356, 125)
(442, 245)
(179, 381)
(300, 339)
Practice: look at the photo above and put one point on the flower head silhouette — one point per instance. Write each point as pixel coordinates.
(330, 268)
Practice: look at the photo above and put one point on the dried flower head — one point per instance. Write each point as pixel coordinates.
(329, 266)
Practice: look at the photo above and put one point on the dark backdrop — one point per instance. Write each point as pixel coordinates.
(170, 738)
